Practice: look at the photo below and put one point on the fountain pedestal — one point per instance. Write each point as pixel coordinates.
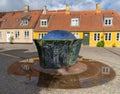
(62, 77)
(58, 52)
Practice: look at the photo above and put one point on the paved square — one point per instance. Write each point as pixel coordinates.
(10, 54)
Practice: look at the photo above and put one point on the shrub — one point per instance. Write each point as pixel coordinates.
(11, 39)
(100, 44)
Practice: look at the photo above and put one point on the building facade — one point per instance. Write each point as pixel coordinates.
(92, 26)
(18, 25)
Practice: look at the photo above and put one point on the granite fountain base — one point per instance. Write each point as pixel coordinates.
(60, 78)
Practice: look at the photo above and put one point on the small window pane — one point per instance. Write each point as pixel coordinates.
(108, 21)
(118, 37)
(43, 23)
(96, 36)
(26, 34)
(17, 34)
(25, 22)
(108, 36)
(75, 22)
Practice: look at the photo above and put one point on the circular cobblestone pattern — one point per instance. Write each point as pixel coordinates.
(97, 73)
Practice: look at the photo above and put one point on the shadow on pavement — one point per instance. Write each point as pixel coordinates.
(21, 53)
(9, 85)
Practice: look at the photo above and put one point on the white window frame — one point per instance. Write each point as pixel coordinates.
(108, 36)
(105, 70)
(76, 35)
(0, 35)
(96, 36)
(118, 36)
(26, 34)
(17, 34)
(25, 22)
(75, 21)
(108, 21)
(40, 35)
(44, 23)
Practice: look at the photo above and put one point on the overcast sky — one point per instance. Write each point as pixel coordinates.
(16, 5)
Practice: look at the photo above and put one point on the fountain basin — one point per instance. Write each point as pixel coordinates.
(58, 49)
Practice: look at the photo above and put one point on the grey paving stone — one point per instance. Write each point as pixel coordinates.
(9, 85)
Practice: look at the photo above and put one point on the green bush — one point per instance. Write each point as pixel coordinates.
(11, 39)
(100, 44)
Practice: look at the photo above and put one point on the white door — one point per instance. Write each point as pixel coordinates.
(8, 36)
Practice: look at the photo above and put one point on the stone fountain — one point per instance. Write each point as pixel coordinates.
(58, 66)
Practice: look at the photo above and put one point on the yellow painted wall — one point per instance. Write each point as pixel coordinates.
(21, 39)
(111, 43)
(92, 42)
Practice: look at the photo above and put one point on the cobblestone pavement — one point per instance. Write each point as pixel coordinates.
(10, 54)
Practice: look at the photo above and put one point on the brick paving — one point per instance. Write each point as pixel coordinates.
(10, 54)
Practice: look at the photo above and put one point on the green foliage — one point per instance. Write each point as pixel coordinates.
(11, 39)
(100, 44)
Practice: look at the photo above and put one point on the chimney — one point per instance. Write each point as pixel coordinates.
(67, 9)
(44, 10)
(26, 8)
(98, 8)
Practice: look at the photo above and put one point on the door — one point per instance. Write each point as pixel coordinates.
(86, 37)
(8, 36)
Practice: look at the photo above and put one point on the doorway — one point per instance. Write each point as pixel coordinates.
(8, 36)
(86, 37)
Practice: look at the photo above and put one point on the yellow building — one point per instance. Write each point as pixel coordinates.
(91, 26)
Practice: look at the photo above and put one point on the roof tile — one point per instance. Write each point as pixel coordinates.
(89, 21)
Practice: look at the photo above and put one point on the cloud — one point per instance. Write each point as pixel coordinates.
(111, 5)
(84, 5)
(11, 5)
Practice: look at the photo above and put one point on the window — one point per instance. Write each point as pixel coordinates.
(118, 37)
(96, 36)
(105, 70)
(26, 34)
(40, 36)
(25, 22)
(43, 23)
(76, 35)
(108, 36)
(75, 22)
(0, 35)
(17, 34)
(108, 21)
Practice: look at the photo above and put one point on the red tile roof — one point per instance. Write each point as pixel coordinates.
(89, 21)
(13, 20)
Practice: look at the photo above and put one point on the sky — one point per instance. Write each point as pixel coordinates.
(17, 5)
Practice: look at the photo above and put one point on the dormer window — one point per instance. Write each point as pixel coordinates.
(108, 21)
(75, 22)
(44, 23)
(4, 20)
(25, 22)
